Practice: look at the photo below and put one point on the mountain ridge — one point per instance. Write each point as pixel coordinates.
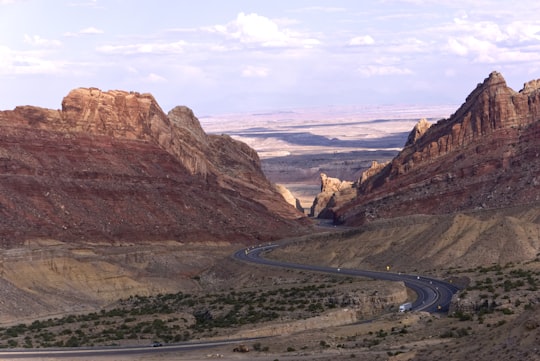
(113, 166)
(486, 155)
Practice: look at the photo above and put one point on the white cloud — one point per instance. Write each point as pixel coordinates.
(91, 30)
(457, 47)
(86, 31)
(362, 40)
(144, 48)
(28, 62)
(409, 46)
(255, 72)
(490, 42)
(523, 31)
(253, 29)
(514, 31)
(378, 70)
(483, 51)
(154, 78)
(512, 56)
(37, 40)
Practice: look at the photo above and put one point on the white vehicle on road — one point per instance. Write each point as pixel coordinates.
(405, 307)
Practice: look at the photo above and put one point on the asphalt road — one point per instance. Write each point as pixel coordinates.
(70, 353)
(433, 295)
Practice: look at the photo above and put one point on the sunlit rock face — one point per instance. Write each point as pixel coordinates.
(113, 166)
(486, 155)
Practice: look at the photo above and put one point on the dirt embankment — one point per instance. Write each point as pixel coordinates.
(421, 242)
(44, 277)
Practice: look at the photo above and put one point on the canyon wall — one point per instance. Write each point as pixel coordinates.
(112, 166)
(485, 156)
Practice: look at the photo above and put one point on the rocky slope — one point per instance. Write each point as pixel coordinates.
(421, 243)
(112, 166)
(486, 155)
(44, 278)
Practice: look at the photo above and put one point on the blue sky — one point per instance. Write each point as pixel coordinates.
(220, 56)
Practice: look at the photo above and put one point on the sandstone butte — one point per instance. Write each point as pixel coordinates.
(485, 156)
(112, 166)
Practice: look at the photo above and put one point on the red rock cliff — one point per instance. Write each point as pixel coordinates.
(486, 155)
(113, 166)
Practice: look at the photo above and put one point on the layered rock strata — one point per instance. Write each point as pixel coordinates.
(486, 155)
(113, 166)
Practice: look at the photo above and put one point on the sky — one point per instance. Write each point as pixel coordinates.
(238, 56)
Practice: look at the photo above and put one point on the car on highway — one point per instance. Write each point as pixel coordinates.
(405, 307)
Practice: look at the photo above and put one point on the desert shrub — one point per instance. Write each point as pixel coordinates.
(72, 342)
(28, 342)
(12, 343)
(463, 316)
(447, 334)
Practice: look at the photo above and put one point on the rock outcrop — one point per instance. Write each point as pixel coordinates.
(113, 166)
(375, 168)
(486, 155)
(289, 197)
(418, 131)
(324, 200)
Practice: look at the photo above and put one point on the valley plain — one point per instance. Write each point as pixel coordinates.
(296, 146)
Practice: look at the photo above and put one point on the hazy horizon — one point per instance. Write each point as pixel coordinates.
(324, 129)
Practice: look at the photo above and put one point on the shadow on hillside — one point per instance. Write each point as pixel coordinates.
(395, 140)
(320, 159)
(307, 167)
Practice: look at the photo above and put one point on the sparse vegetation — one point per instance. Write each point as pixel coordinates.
(174, 317)
(498, 294)
(497, 288)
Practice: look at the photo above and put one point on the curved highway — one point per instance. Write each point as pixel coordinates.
(433, 295)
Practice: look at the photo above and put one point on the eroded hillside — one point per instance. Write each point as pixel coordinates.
(485, 156)
(112, 166)
(428, 242)
(51, 278)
